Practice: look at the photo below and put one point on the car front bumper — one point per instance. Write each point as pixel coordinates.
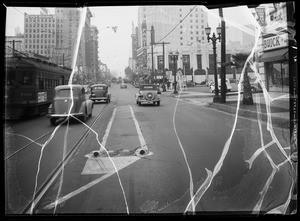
(98, 98)
(65, 115)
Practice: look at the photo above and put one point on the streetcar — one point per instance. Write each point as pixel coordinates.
(29, 86)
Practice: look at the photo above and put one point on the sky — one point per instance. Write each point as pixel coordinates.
(115, 47)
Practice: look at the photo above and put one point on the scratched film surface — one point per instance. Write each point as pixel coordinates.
(263, 158)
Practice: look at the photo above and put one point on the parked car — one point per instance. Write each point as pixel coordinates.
(148, 93)
(123, 85)
(190, 84)
(62, 101)
(99, 92)
(228, 86)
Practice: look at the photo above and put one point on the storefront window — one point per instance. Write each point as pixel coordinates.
(279, 77)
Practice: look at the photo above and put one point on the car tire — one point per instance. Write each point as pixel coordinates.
(53, 121)
(158, 103)
(139, 103)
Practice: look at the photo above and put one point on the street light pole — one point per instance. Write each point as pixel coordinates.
(152, 43)
(223, 59)
(174, 59)
(164, 71)
(214, 40)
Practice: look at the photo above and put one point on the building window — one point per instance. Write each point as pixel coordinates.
(180, 26)
(192, 38)
(196, 20)
(180, 15)
(180, 38)
(181, 44)
(180, 32)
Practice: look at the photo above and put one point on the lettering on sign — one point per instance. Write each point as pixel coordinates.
(42, 97)
(275, 42)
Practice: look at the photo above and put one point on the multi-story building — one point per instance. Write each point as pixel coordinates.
(187, 39)
(39, 34)
(55, 36)
(94, 53)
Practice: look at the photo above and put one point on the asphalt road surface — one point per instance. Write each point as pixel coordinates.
(189, 151)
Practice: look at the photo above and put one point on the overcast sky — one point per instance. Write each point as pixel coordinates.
(115, 47)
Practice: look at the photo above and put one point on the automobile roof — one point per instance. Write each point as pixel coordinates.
(75, 87)
(96, 85)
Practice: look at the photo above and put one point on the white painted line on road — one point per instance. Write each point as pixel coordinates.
(89, 185)
(139, 132)
(118, 163)
(107, 131)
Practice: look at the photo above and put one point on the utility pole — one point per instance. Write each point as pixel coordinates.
(223, 58)
(164, 70)
(152, 43)
(13, 42)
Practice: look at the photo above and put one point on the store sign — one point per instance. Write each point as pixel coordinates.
(275, 42)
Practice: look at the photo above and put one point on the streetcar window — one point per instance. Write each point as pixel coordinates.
(26, 78)
(41, 84)
(11, 78)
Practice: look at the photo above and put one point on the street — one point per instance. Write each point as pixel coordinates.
(191, 150)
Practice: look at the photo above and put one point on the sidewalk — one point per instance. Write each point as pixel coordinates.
(279, 109)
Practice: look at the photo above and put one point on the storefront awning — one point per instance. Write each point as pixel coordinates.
(277, 55)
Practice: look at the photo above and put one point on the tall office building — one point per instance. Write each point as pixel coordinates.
(187, 38)
(39, 34)
(94, 53)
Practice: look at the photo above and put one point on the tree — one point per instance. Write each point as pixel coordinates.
(239, 61)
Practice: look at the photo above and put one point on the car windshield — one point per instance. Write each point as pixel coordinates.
(65, 93)
(148, 87)
(98, 88)
(150, 128)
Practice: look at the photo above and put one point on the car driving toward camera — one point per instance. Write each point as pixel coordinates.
(148, 93)
(99, 92)
(123, 85)
(66, 104)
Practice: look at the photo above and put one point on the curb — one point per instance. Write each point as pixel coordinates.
(278, 121)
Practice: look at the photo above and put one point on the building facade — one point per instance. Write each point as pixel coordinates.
(94, 53)
(39, 34)
(274, 54)
(55, 36)
(188, 40)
